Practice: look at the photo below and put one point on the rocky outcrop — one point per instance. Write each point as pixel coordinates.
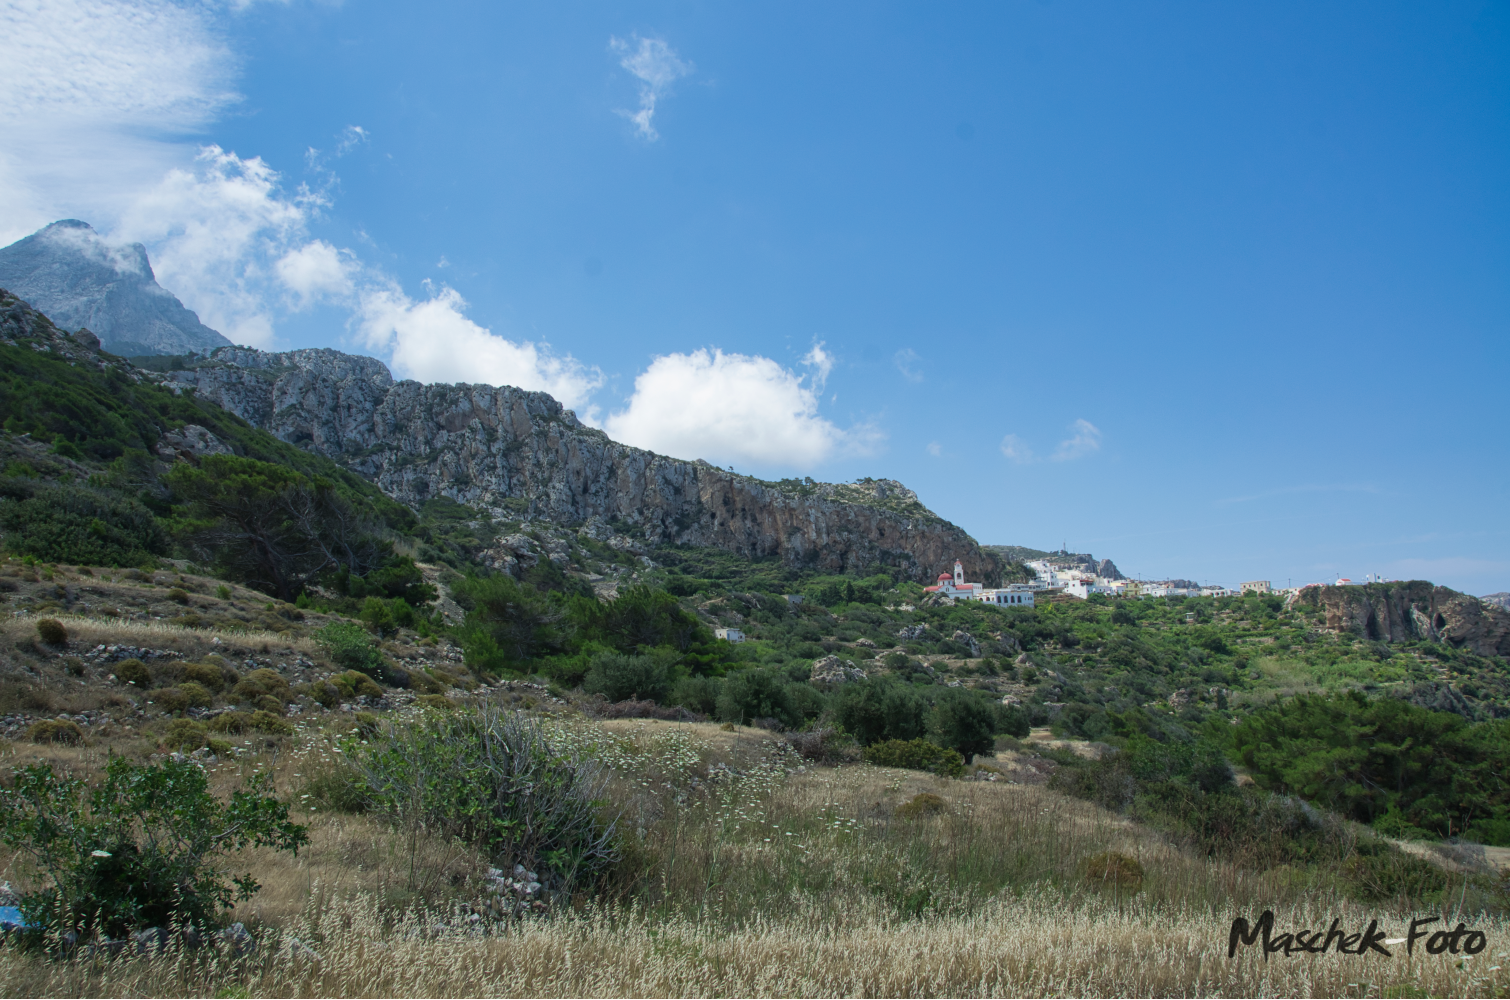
(521, 454)
(832, 670)
(1417, 609)
(68, 272)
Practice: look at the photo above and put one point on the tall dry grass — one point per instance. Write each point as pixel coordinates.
(1034, 945)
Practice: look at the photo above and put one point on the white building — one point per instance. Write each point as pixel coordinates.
(1018, 595)
(731, 634)
(1255, 587)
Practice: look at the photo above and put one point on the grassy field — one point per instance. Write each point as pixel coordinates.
(749, 871)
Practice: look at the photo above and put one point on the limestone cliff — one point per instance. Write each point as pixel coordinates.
(509, 451)
(1397, 612)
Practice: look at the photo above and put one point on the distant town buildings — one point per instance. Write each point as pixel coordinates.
(1012, 595)
(1256, 587)
(731, 634)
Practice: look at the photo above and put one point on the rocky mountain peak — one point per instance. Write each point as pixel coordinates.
(67, 271)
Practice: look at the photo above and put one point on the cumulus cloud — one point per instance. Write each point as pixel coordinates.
(731, 407)
(1085, 439)
(908, 363)
(316, 272)
(432, 340)
(935, 449)
(222, 234)
(657, 67)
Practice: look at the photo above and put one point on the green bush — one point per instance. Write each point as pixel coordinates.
(56, 731)
(495, 779)
(350, 646)
(354, 684)
(140, 849)
(620, 676)
(206, 674)
(133, 672)
(758, 693)
(74, 524)
(880, 708)
(917, 755)
(185, 734)
(52, 632)
(181, 696)
(699, 694)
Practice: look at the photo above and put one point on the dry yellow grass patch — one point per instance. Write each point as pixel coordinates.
(87, 632)
(1025, 946)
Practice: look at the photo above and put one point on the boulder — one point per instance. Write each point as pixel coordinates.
(968, 641)
(832, 670)
(912, 633)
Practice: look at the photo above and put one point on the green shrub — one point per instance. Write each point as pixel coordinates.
(758, 693)
(185, 734)
(133, 672)
(621, 677)
(917, 755)
(232, 723)
(880, 708)
(206, 674)
(223, 592)
(435, 701)
(181, 697)
(921, 804)
(325, 693)
(76, 524)
(52, 632)
(139, 850)
(56, 731)
(699, 694)
(268, 722)
(354, 684)
(350, 646)
(178, 595)
(498, 780)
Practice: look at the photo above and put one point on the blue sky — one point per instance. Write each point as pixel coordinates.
(1216, 290)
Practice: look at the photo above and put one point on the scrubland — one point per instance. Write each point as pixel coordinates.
(749, 871)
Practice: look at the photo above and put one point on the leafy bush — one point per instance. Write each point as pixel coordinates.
(206, 674)
(622, 677)
(185, 734)
(759, 693)
(181, 696)
(880, 708)
(355, 684)
(921, 804)
(133, 672)
(825, 745)
(326, 693)
(241, 723)
(917, 755)
(699, 694)
(350, 646)
(52, 632)
(56, 731)
(139, 850)
(75, 524)
(508, 624)
(495, 779)
(178, 595)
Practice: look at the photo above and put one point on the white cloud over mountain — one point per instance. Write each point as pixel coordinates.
(733, 408)
(117, 141)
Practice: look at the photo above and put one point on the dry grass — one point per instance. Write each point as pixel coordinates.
(1035, 945)
(748, 872)
(85, 633)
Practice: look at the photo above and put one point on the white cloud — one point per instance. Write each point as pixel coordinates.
(906, 361)
(219, 232)
(657, 67)
(431, 340)
(731, 407)
(318, 271)
(1016, 449)
(1085, 441)
(822, 364)
(94, 96)
(935, 449)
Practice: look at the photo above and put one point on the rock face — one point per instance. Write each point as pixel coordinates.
(69, 273)
(1397, 612)
(519, 453)
(832, 670)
